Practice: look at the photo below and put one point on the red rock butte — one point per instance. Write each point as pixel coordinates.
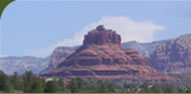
(103, 57)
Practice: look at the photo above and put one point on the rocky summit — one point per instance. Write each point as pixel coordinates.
(103, 57)
(101, 36)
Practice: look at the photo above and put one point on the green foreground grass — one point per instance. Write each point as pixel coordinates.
(98, 93)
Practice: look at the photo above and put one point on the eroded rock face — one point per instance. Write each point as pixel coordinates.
(103, 57)
(173, 56)
(59, 55)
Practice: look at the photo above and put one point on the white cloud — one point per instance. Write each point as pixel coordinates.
(125, 26)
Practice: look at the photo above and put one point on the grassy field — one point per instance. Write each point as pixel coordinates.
(97, 93)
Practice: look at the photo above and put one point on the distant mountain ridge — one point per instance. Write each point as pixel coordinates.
(144, 49)
(21, 64)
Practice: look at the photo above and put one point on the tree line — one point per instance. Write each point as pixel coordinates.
(30, 83)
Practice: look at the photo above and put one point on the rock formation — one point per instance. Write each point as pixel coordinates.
(103, 57)
(59, 55)
(173, 56)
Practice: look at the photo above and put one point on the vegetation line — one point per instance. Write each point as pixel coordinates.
(3, 5)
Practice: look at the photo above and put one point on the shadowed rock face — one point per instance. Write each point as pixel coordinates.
(103, 57)
(173, 56)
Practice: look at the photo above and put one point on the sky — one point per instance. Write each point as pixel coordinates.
(37, 27)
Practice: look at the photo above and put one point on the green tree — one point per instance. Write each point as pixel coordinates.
(27, 81)
(37, 85)
(75, 85)
(131, 87)
(146, 88)
(188, 90)
(51, 86)
(168, 88)
(32, 83)
(5, 84)
(61, 84)
(104, 87)
(156, 88)
(16, 82)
